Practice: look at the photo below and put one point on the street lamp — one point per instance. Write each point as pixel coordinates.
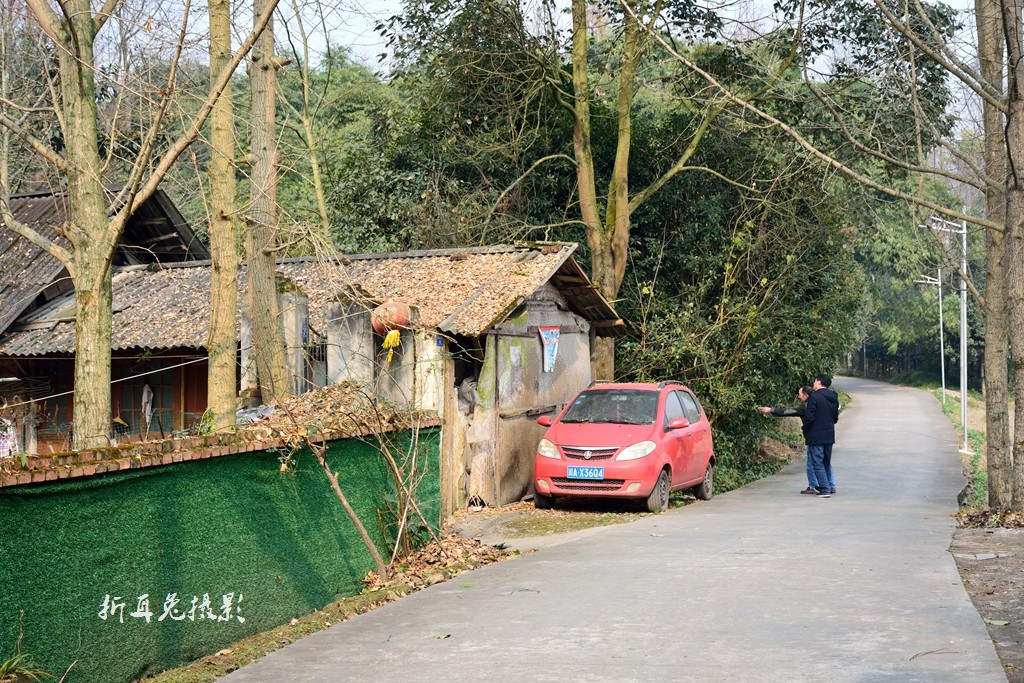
(940, 225)
(937, 282)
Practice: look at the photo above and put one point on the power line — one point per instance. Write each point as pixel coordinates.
(123, 379)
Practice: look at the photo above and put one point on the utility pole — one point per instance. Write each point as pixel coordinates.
(940, 225)
(937, 281)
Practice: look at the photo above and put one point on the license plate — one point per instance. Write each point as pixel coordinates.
(585, 473)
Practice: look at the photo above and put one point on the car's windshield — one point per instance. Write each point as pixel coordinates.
(617, 406)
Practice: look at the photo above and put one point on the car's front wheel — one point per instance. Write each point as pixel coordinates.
(658, 500)
(542, 502)
(706, 488)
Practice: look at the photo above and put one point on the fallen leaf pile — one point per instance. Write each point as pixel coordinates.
(439, 561)
(990, 518)
(346, 409)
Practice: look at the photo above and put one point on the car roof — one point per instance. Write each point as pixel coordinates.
(648, 386)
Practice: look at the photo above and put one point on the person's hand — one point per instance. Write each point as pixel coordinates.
(764, 409)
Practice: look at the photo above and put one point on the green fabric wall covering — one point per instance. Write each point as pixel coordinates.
(230, 525)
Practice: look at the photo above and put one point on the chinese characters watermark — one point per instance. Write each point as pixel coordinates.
(175, 608)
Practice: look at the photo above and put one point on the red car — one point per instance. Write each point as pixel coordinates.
(639, 441)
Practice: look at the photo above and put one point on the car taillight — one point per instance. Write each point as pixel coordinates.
(547, 449)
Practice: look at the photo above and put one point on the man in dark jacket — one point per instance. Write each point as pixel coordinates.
(802, 393)
(823, 383)
(820, 419)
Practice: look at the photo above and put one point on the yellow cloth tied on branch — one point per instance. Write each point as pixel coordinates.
(391, 342)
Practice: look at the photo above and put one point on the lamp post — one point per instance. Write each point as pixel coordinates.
(940, 225)
(937, 281)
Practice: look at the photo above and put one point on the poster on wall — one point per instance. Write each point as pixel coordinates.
(549, 337)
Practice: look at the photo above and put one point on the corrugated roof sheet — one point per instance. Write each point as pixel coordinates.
(463, 291)
(156, 232)
(25, 269)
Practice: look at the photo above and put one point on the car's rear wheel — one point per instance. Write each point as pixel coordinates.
(706, 488)
(658, 500)
(542, 502)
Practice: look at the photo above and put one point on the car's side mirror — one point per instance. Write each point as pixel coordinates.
(677, 423)
(544, 420)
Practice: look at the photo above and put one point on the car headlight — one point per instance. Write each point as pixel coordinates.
(547, 449)
(637, 450)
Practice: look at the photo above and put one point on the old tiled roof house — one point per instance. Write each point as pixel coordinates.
(499, 335)
(36, 292)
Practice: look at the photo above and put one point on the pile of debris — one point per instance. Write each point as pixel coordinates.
(989, 518)
(345, 409)
(439, 561)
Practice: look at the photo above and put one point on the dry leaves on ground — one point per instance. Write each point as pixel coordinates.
(989, 518)
(439, 561)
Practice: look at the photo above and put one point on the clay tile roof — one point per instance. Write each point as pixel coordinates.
(459, 291)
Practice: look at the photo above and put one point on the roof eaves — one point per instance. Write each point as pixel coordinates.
(450, 324)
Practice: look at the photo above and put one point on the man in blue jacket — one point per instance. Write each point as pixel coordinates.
(820, 417)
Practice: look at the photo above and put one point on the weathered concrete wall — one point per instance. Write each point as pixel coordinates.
(350, 353)
(504, 433)
(480, 435)
(295, 321)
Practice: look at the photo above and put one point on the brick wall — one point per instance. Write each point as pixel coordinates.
(58, 466)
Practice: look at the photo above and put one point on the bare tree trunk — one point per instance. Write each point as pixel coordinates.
(87, 231)
(1015, 228)
(609, 238)
(95, 222)
(997, 334)
(264, 313)
(221, 345)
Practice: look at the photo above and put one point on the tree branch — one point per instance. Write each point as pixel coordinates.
(36, 144)
(949, 61)
(817, 153)
(104, 14)
(35, 237)
(175, 151)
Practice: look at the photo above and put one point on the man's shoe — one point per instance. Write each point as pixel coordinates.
(833, 490)
(823, 494)
(810, 491)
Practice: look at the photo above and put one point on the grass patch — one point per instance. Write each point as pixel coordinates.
(977, 470)
(246, 651)
(543, 523)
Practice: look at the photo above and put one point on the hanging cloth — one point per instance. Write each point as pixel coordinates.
(147, 405)
(8, 439)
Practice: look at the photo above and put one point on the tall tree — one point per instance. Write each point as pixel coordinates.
(605, 200)
(97, 220)
(261, 247)
(222, 340)
(999, 456)
(1013, 34)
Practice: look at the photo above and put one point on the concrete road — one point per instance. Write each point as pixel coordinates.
(759, 584)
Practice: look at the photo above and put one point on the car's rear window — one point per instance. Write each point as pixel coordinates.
(615, 406)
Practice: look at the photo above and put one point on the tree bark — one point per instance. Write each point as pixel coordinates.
(1015, 228)
(608, 239)
(222, 342)
(261, 298)
(997, 334)
(87, 231)
(603, 362)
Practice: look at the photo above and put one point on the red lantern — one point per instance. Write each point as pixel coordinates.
(390, 315)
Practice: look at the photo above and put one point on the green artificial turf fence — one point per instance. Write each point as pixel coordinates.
(223, 548)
